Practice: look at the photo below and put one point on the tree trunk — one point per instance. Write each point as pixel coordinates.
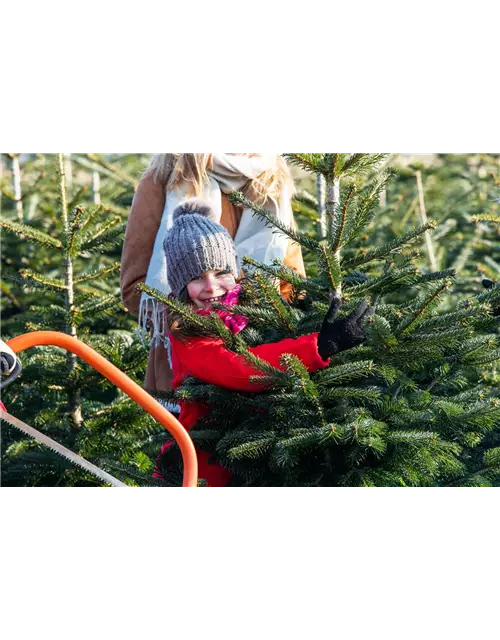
(16, 186)
(423, 216)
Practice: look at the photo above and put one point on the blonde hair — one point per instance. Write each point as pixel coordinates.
(171, 169)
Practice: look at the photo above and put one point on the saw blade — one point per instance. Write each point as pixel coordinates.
(63, 451)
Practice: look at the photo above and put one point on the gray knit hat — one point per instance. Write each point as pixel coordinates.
(196, 243)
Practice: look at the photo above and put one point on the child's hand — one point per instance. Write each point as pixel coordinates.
(490, 284)
(339, 335)
(487, 283)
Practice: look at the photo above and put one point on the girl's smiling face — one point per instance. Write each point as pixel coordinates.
(210, 287)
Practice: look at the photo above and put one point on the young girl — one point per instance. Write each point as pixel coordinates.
(202, 270)
(171, 177)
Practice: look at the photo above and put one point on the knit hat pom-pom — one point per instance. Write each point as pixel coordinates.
(195, 206)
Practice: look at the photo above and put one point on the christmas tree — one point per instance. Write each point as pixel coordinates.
(459, 192)
(60, 273)
(412, 406)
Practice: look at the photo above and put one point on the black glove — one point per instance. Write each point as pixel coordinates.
(489, 284)
(345, 333)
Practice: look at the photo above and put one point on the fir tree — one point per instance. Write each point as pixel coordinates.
(61, 269)
(410, 407)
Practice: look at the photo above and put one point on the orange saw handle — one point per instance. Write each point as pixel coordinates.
(123, 382)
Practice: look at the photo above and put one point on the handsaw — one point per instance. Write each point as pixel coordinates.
(58, 448)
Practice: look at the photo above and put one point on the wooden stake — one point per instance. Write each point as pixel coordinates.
(423, 216)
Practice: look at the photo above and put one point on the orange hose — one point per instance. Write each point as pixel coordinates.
(123, 382)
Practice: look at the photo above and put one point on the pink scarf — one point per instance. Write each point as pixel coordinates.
(235, 323)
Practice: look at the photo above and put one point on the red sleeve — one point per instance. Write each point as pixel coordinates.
(210, 361)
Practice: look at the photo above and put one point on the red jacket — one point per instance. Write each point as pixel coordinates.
(208, 360)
